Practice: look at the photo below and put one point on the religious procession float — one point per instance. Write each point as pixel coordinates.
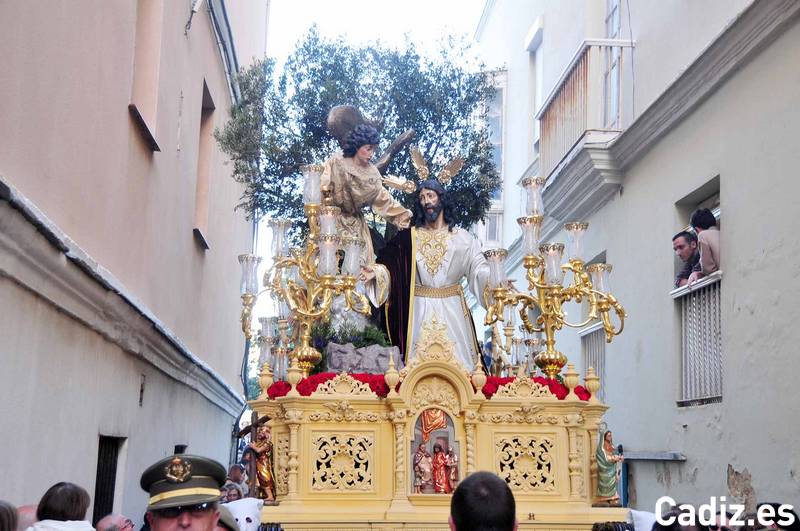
(384, 449)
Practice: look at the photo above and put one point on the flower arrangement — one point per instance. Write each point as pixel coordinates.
(378, 385)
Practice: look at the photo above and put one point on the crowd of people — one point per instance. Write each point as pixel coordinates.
(193, 493)
(184, 494)
(698, 249)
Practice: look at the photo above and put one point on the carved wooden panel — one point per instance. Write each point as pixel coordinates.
(526, 463)
(342, 461)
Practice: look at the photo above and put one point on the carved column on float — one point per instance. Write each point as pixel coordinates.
(593, 462)
(469, 426)
(293, 417)
(575, 467)
(398, 419)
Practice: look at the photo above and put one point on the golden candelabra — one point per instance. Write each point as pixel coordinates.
(305, 281)
(546, 292)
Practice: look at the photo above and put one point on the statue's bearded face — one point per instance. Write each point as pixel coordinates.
(431, 205)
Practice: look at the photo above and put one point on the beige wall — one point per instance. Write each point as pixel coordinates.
(122, 288)
(71, 147)
(249, 20)
(68, 386)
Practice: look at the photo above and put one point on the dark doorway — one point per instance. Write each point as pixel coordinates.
(107, 458)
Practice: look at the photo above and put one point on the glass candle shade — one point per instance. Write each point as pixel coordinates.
(268, 326)
(576, 231)
(283, 309)
(517, 351)
(509, 315)
(497, 266)
(327, 219)
(265, 355)
(352, 256)
(328, 262)
(280, 240)
(249, 284)
(552, 253)
(599, 274)
(312, 193)
(534, 204)
(531, 233)
(280, 356)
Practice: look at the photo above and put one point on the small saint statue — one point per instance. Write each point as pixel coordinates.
(608, 470)
(423, 469)
(452, 467)
(441, 479)
(265, 478)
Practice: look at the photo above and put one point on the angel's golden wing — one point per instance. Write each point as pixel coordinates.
(450, 171)
(419, 163)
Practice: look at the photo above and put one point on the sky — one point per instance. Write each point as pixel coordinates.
(363, 21)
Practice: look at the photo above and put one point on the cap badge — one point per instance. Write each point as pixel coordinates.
(178, 470)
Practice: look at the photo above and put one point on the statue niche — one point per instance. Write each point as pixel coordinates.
(435, 453)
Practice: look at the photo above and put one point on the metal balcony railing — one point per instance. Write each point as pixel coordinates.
(587, 96)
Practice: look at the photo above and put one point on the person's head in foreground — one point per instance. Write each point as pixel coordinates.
(482, 502)
(64, 502)
(115, 522)
(184, 490)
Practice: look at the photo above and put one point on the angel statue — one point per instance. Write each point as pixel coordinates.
(354, 182)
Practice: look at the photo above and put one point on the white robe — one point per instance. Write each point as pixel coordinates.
(443, 259)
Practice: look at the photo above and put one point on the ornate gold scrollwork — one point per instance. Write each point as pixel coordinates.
(343, 384)
(342, 461)
(524, 388)
(282, 464)
(526, 463)
(435, 391)
(344, 412)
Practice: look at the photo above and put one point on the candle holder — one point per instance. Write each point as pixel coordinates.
(304, 282)
(546, 293)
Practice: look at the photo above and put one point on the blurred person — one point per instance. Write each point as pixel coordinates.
(26, 516)
(705, 225)
(114, 522)
(8, 516)
(482, 502)
(236, 475)
(63, 507)
(782, 513)
(226, 520)
(685, 246)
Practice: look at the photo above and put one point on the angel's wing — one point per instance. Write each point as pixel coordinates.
(451, 170)
(419, 163)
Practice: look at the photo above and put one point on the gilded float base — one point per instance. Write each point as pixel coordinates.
(345, 458)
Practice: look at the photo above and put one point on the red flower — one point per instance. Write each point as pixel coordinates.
(278, 389)
(377, 383)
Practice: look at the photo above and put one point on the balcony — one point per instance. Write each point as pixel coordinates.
(586, 99)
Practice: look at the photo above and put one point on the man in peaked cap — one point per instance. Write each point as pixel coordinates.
(184, 491)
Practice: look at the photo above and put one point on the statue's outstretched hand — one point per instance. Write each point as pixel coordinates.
(367, 273)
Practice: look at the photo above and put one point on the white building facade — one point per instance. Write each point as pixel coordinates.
(637, 113)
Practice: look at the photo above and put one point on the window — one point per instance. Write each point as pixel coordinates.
(593, 347)
(611, 76)
(495, 120)
(489, 232)
(533, 44)
(204, 149)
(700, 317)
(108, 451)
(146, 66)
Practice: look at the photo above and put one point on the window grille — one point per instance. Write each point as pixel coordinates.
(593, 345)
(701, 341)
